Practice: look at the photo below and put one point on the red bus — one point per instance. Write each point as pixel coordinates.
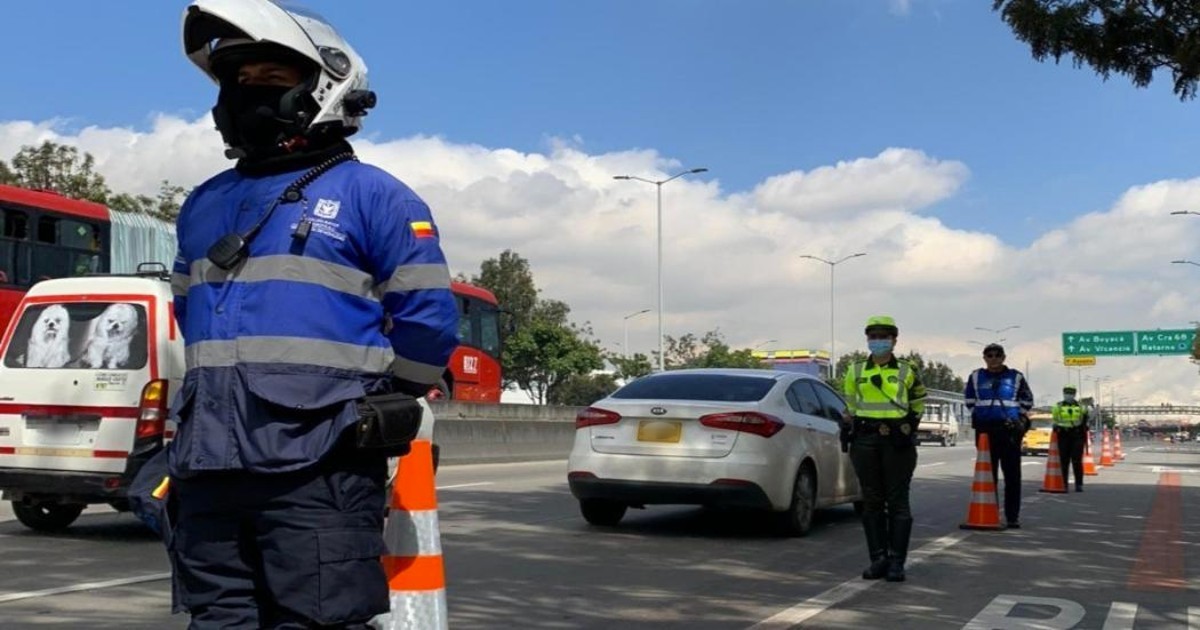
(46, 235)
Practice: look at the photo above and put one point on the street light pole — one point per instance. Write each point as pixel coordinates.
(832, 343)
(659, 184)
(625, 348)
(764, 343)
(997, 331)
(1184, 262)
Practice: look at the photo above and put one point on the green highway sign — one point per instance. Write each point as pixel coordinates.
(1098, 344)
(1165, 341)
(1128, 342)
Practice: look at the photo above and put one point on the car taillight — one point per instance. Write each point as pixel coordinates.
(745, 421)
(592, 416)
(152, 410)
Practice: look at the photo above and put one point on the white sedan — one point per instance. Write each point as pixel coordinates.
(719, 437)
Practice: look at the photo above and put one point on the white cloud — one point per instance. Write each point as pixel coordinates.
(731, 259)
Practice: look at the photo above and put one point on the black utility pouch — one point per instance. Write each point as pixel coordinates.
(387, 424)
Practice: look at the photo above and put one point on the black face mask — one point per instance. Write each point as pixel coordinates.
(256, 118)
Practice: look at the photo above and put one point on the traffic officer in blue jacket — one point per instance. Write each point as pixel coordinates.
(1000, 399)
(304, 281)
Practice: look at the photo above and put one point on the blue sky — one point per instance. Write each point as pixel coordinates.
(988, 189)
(748, 88)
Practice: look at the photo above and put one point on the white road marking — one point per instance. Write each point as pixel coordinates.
(466, 485)
(995, 615)
(1121, 616)
(1194, 618)
(816, 605)
(931, 465)
(86, 586)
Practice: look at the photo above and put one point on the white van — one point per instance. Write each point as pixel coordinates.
(87, 369)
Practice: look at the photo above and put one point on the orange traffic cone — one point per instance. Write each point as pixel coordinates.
(1118, 454)
(1089, 464)
(416, 576)
(1106, 453)
(1053, 480)
(983, 512)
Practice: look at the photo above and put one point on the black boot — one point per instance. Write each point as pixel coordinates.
(875, 527)
(901, 530)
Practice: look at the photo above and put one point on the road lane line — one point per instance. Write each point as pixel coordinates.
(1159, 561)
(1194, 618)
(466, 485)
(1121, 616)
(816, 605)
(86, 586)
(932, 464)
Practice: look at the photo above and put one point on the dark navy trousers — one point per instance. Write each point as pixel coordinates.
(291, 550)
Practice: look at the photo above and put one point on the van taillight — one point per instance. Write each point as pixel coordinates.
(593, 416)
(152, 410)
(745, 421)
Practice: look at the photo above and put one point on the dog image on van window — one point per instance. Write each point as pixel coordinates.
(48, 342)
(108, 346)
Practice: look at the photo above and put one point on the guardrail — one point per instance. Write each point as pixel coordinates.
(470, 433)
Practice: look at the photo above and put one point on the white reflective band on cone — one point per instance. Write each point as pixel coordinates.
(424, 610)
(410, 534)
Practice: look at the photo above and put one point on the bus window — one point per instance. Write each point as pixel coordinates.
(489, 329)
(47, 230)
(466, 334)
(78, 235)
(16, 225)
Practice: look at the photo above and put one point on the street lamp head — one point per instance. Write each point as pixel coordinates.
(621, 177)
(698, 170)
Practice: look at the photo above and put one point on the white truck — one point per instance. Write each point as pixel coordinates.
(938, 424)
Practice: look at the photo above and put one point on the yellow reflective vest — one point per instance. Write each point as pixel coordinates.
(890, 391)
(1068, 414)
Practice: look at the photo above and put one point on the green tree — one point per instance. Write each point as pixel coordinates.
(64, 170)
(164, 206)
(583, 389)
(709, 351)
(543, 354)
(1134, 38)
(934, 374)
(629, 368)
(509, 277)
(57, 167)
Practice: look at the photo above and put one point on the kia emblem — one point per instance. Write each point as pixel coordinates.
(658, 411)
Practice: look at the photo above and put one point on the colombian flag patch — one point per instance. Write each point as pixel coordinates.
(422, 229)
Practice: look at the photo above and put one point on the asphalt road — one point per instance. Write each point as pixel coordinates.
(1122, 555)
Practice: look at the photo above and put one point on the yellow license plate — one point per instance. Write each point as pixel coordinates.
(659, 431)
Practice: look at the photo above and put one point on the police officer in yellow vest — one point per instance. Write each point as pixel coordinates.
(885, 399)
(1071, 426)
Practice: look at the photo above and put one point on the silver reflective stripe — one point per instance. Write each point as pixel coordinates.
(416, 277)
(415, 371)
(995, 402)
(902, 390)
(858, 397)
(983, 497)
(296, 350)
(179, 284)
(410, 534)
(291, 268)
(415, 610)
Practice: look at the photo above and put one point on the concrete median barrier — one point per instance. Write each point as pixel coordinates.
(469, 433)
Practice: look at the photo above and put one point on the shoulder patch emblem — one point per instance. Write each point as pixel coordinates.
(327, 209)
(422, 229)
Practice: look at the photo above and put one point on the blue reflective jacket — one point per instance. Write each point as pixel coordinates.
(279, 347)
(995, 398)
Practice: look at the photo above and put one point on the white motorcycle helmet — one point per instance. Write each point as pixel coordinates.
(333, 98)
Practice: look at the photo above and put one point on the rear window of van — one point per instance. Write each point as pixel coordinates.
(80, 335)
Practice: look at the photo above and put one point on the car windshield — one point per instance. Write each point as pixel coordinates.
(1040, 423)
(714, 387)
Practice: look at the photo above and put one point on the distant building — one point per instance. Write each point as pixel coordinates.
(814, 362)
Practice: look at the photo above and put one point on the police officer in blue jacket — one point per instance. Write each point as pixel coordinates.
(305, 281)
(1000, 399)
